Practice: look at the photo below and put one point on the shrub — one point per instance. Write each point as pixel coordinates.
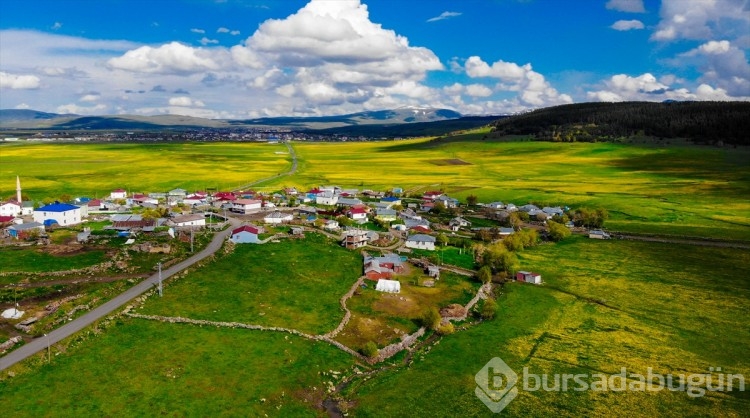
(488, 309)
(370, 350)
(431, 319)
(446, 329)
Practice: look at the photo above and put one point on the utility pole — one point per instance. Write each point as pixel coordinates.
(160, 287)
(191, 239)
(49, 349)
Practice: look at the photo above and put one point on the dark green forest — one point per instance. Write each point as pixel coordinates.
(699, 122)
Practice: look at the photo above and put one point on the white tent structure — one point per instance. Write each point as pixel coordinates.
(389, 286)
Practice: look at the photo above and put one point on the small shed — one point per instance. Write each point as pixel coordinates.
(388, 286)
(529, 277)
(246, 234)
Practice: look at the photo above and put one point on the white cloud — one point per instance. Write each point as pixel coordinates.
(195, 30)
(173, 57)
(222, 30)
(205, 41)
(56, 26)
(184, 101)
(478, 90)
(623, 25)
(702, 19)
(18, 82)
(533, 90)
(443, 16)
(721, 64)
(73, 108)
(630, 6)
(234, 32)
(90, 98)
(645, 87)
(23, 106)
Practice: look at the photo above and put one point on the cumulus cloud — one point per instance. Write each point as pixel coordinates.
(184, 101)
(721, 64)
(19, 82)
(195, 30)
(623, 25)
(478, 90)
(532, 88)
(56, 26)
(234, 32)
(173, 57)
(630, 6)
(701, 20)
(443, 16)
(623, 87)
(222, 30)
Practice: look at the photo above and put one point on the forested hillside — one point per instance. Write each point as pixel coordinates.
(699, 122)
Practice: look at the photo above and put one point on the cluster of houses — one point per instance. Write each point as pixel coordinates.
(322, 204)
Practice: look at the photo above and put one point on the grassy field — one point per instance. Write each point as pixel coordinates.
(627, 306)
(292, 283)
(145, 368)
(23, 259)
(50, 170)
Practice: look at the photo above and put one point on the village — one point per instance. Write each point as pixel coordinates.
(404, 237)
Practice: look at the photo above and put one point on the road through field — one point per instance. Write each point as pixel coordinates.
(291, 171)
(105, 309)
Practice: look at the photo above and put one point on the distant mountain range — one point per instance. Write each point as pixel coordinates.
(35, 120)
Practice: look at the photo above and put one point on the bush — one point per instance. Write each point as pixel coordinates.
(488, 309)
(557, 232)
(446, 329)
(431, 319)
(370, 350)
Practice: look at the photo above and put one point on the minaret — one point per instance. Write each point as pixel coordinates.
(18, 190)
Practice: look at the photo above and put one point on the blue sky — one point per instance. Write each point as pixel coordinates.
(251, 58)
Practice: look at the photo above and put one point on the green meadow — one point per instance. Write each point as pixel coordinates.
(292, 283)
(145, 368)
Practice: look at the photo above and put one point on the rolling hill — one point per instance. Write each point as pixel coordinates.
(699, 122)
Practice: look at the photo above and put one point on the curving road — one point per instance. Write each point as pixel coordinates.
(291, 171)
(105, 309)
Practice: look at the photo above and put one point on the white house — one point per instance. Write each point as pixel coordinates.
(63, 214)
(27, 208)
(183, 221)
(10, 209)
(246, 205)
(326, 198)
(496, 205)
(118, 194)
(421, 241)
(194, 199)
(357, 214)
(245, 234)
(389, 286)
(458, 223)
(278, 217)
(331, 225)
(448, 202)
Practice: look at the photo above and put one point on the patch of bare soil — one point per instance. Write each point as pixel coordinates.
(448, 161)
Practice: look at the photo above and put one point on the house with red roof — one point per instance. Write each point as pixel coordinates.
(246, 234)
(357, 214)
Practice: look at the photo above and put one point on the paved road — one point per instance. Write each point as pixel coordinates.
(105, 309)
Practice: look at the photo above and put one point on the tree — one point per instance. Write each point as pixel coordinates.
(472, 200)
(48, 201)
(557, 232)
(485, 274)
(431, 319)
(442, 240)
(499, 258)
(438, 208)
(489, 308)
(65, 198)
